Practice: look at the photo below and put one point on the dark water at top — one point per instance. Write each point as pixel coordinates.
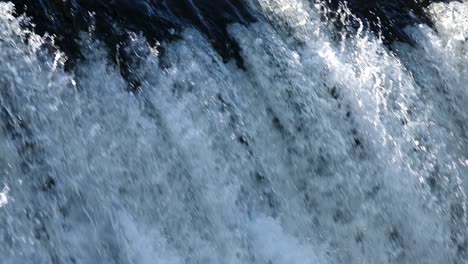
(160, 20)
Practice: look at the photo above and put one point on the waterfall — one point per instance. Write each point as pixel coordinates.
(309, 142)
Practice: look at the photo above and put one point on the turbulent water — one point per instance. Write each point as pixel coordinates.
(328, 145)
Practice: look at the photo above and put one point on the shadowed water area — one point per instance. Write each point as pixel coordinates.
(111, 21)
(388, 18)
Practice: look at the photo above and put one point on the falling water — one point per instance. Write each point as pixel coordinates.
(325, 146)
